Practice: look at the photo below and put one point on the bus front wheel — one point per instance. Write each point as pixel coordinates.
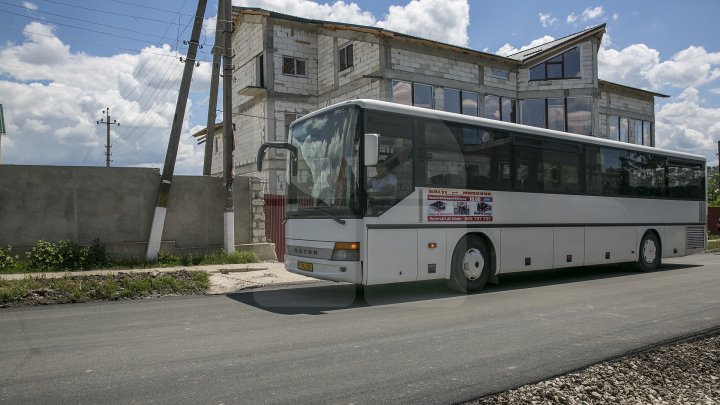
(649, 254)
(471, 265)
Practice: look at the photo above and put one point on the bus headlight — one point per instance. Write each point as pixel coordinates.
(346, 251)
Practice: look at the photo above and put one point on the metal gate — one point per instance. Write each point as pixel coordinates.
(274, 226)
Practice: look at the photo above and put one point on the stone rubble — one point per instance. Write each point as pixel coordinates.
(682, 373)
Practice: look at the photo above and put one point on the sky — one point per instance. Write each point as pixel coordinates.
(63, 62)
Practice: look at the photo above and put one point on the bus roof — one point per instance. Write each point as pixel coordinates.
(500, 125)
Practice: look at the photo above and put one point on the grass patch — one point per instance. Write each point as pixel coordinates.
(40, 290)
(66, 256)
(713, 244)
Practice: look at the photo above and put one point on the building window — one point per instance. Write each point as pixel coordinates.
(647, 134)
(260, 71)
(500, 74)
(451, 100)
(346, 57)
(630, 130)
(613, 127)
(571, 114)
(293, 66)
(217, 144)
(556, 114)
(402, 92)
(508, 109)
(499, 108)
(532, 112)
(624, 129)
(422, 95)
(563, 66)
(408, 93)
(579, 115)
(470, 103)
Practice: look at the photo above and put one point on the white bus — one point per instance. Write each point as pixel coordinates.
(464, 198)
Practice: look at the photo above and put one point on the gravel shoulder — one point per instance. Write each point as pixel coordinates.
(684, 372)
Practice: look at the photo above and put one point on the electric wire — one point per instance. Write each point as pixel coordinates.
(80, 28)
(135, 17)
(65, 40)
(81, 20)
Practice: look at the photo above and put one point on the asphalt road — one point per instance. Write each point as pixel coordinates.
(410, 343)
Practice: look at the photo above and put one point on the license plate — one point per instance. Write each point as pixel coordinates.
(305, 266)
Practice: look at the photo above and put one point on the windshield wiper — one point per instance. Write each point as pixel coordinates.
(330, 214)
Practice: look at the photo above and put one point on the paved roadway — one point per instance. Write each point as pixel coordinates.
(412, 343)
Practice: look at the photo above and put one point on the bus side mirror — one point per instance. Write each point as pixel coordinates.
(372, 142)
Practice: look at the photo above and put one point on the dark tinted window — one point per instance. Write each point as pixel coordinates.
(492, 107)
(579, 115)
(613, 127)
(470, 103)
(556, 114)
(571, 63)
(686, 180)
(423, 96)
(532, 112)
(451, 100)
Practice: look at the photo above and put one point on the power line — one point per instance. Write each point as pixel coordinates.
(80, 28)
(65, 40)
(81, 20)
(136, 17)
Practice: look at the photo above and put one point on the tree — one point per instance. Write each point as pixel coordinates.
(713, 193)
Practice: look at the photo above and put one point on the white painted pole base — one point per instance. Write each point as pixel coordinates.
(156, 233)
(229, 232)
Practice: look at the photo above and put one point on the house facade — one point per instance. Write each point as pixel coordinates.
(286, 66)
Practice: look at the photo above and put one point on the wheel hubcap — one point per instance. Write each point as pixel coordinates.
(649, 251)
(473, 264)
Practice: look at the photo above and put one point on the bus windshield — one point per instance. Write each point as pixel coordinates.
(325, 179)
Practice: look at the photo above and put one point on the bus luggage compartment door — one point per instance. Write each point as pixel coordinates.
(392, 255)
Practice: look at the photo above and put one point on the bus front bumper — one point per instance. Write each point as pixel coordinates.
(348, 272)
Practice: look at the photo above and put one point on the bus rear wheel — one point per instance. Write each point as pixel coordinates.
(471, 265)
(649, 253)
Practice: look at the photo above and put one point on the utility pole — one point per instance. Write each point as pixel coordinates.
(214, 84)
(228, 139)
(158, 223)
(107, 122)
(2, 129)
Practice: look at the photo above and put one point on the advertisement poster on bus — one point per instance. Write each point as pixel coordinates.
(459, 206)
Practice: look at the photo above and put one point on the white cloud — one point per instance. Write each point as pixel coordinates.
(615, 16)
(715, 91)
(571, 18)
(58, 94)
(640, 66)
(592, 13)
(443, 21)
(547, 20)
(685, 125)
(30, 6)
(508, 49)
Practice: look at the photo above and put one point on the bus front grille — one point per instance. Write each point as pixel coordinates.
(695, 237)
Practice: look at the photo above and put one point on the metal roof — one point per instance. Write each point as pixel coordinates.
(530, 53)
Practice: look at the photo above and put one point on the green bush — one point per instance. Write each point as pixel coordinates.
(168, 260)
(8, 262)
(220, 257)
(44, 256)
(96, 257)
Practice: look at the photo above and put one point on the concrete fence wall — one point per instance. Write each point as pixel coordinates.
(116, 205)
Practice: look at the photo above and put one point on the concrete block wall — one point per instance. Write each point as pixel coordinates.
(298, 43)
(495, 83)
(433, 66)
(326, 63)
(248, 44)
(366, 60)
(249, 135)
(116, 205)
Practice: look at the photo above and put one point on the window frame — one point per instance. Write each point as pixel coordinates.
(296, 63)
(345, 57)
(553, 61)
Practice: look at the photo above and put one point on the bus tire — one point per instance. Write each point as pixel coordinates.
(471, 265)
(649, 253)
